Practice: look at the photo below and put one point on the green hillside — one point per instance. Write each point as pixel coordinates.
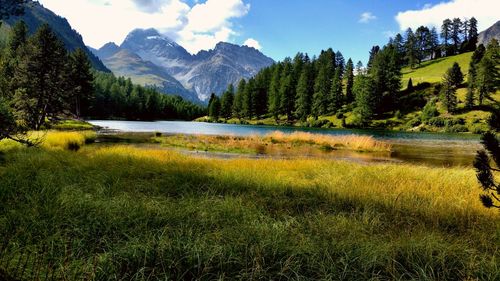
(433, 71)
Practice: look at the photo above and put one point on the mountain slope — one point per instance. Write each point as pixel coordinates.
(35, 15)
(123, 62)
(492, 32)
(206, 72)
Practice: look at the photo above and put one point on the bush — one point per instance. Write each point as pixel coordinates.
(455, 121)
(457, 129)
(414, 122)
(398, 114)
(437, 122)
(320, 123)
(429, 111)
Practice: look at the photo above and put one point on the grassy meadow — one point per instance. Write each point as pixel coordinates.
(122, 212)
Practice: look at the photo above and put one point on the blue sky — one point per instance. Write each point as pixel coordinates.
(279, 28)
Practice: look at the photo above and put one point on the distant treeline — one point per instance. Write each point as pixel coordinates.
(305, 87)
(40, 80)
(120, 98)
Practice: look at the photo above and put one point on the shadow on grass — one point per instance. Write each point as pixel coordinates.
(138, 218)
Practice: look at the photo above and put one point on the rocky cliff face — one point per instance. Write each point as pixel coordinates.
(204, 73)
(492, 32)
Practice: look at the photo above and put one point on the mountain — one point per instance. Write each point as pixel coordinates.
(35, 15)
(204, 73)
(123, 62)
(490, 33)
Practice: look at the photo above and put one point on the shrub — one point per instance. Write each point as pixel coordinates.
(457, 129)
(414, 122)
(429, 111)
(437, 122)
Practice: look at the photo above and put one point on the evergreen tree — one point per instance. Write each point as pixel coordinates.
(321, 92)
(373, 53)
(227, 101)
(446, 30)
(214, 107)
(336, 96)
(238, 99)
(80, 81)
(366, 101)
(422, 38)
(488, 76)
(303, 104)
(248, 105)
(434, 44)
(469, 97)
(484, 170)
(287, 90)
(409, 88)
(18, 38)
(473, 33)
(455, 75)
(359, 68)
(349, 74)
(455, 36)
(41, 87)
(448, 90)
(411, 48)
(274, 92)
(386, 76)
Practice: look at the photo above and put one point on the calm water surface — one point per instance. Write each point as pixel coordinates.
(436, 149)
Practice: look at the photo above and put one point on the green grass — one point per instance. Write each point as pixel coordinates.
(433, 71)
(143, 214)
(72, 125)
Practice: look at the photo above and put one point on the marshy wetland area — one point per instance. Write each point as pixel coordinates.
(109, 204)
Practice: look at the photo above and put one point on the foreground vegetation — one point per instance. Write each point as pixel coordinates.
(119, 212)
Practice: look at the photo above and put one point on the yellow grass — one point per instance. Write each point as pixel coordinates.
(53, 140)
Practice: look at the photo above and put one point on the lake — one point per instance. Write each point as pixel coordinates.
(435, 149)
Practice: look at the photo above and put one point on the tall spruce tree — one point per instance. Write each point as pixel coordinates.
(456, 34)
(448, 91)
(227, 101)
(304, 98)
(366, 101)
(274, 91)
(287, 90)
(41, 88)
(81, 80)
(446, 30)
(488, 75)
(336, 96)
(411, 48)
(349, 74)
(238, 99)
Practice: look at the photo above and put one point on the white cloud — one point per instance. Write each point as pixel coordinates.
(196, 27)
(250, 42)
(389, 34)
(485, 11)
(366, 17)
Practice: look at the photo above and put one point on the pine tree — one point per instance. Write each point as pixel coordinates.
(448, 91)
(485, 171)
(472, 34)
(349, 74)
(214, 107)
(80, 81)
(411, 48)
(248, 105)
(434, 44)
(337, 99)
(373, 53)
(238, 99)
(488, 75)
(366, 101)
(303, 104)
(456, 31)
(455, 75)
(227, 101)
(274, 92)
(446, 30)
(287, 90)
(469, 98)
(409, 88)
(41, 87)
(321, 91)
